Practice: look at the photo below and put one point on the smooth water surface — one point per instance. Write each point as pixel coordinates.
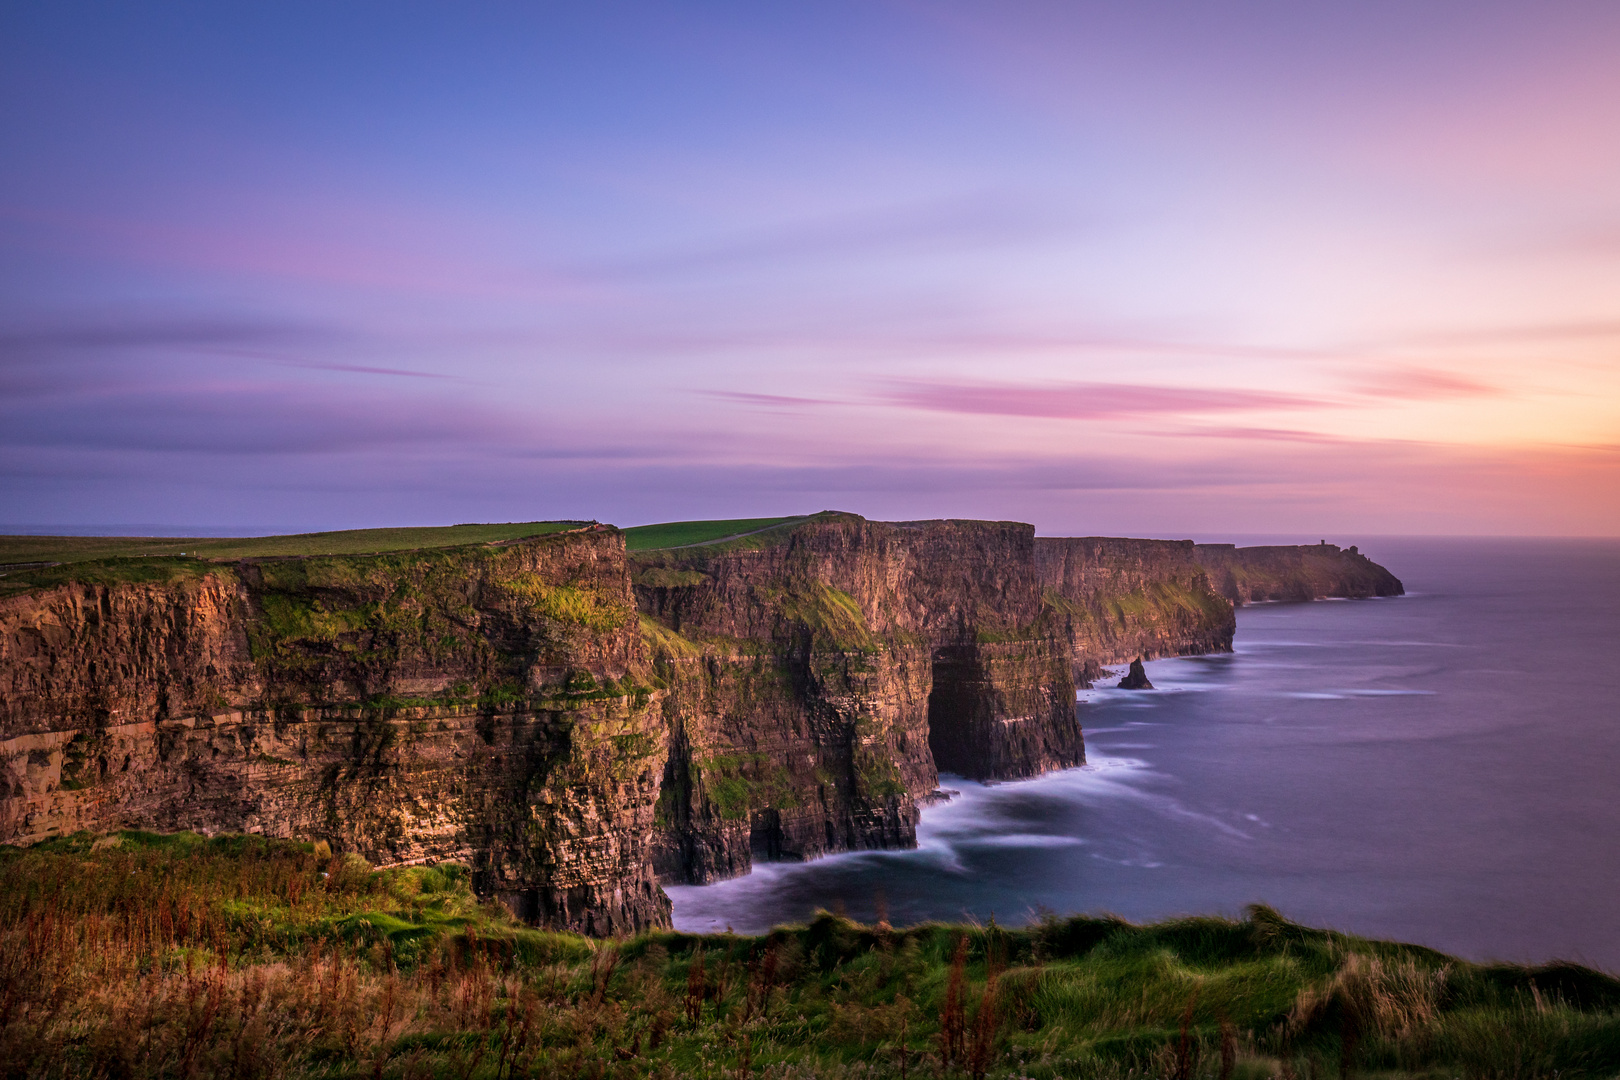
(1439, 768)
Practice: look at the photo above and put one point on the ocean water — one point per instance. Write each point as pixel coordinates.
(1441, 768)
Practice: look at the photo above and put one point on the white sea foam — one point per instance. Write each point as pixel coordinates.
(1026, 840)
(1140, 864)
(1360, 692)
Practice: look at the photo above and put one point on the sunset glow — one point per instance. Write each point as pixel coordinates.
(1189, 270)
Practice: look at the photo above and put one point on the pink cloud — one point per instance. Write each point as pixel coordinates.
(1259, 434)
(765, 400)
(1420, 384)
(359, 369)
(1086, 401)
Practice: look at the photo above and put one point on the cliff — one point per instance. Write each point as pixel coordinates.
(1122, 599)
(1303, 572)
(821, 673)
(575, 721)
(492, 703)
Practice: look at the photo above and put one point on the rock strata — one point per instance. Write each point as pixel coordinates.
(579, 724)
(1119, 598)
(493, 704)
(820, 679)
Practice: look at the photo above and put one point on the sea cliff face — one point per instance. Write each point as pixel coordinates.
(577, 723)
(1121, 600)
(820, 678)
(492, 704)
(1304, 572)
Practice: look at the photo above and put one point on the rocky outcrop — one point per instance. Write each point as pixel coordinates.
(819, 676)
(1120, 599)
(1304, 572)
(1136, 678)
(493, 704)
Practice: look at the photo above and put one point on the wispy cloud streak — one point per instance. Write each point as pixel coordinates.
(1418, 384)
(1086, 401)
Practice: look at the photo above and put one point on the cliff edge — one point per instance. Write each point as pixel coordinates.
(1252, 575)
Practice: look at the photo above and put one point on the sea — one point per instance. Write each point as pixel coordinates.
(1440, 768)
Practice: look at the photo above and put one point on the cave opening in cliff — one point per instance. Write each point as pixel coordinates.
(957, 716)
(765, 834)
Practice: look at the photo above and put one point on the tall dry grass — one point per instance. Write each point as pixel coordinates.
(147, 957)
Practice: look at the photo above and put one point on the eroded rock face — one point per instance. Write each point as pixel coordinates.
(819, 681)
(1122, 598)
(1304, 572)
(785, 695)
(85, 655)
(492, 704)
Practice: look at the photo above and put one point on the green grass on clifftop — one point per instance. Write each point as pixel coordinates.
(671, 534)
(138, 955)
(28, 562)
(65, 549)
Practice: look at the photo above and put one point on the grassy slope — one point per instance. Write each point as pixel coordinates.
(671, 534)
(168, 956)
(65, 549)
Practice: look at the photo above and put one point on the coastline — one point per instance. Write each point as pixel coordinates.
(1395, 790)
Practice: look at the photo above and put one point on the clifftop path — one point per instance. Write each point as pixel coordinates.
(575, 720)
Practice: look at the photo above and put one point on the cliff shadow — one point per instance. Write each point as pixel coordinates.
(961, 713)
(1003, 710)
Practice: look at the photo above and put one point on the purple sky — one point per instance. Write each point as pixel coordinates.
(1163, 269)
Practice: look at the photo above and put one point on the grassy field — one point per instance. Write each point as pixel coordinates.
(70, 549)
(137, 955)
(671, 534)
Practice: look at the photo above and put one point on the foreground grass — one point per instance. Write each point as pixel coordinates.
(72, 549)
(138, 955)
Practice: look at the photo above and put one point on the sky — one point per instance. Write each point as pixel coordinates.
(1168, 269)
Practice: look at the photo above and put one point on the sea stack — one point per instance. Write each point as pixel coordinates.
(1137, 678)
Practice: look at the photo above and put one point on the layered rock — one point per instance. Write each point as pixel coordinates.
(1120, 599)
(1251, 575)
(783, 695)
(820, 675)
(492, 704)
